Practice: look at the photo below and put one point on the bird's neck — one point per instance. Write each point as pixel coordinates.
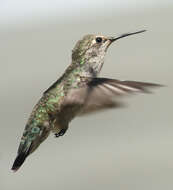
(87, 67)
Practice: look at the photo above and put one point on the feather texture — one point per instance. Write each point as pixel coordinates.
(104, 93)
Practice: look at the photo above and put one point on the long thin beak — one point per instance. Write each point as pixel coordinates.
(124, 35)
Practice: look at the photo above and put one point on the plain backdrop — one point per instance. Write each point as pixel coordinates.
(125, 149)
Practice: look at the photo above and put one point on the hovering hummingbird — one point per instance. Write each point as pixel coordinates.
(78, 91)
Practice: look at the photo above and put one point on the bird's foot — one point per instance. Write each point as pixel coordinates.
(61, 133)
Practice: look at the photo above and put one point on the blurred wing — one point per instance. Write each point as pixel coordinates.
(103, 93)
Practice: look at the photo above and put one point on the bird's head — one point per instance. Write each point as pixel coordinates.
(90, 51)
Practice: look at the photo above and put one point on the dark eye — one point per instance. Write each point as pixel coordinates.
(99, 39)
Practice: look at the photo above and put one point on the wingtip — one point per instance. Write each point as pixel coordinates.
(161, 85)
(146, 88)
(157, 85)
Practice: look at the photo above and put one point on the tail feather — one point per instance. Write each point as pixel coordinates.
(19, 160)
(30, 142)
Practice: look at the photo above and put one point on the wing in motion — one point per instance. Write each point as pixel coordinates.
(101, 93)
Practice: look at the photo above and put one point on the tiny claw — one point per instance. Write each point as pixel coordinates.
(61, 133)
(57, 135)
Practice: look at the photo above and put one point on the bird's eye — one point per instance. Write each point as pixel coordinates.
(99, 39)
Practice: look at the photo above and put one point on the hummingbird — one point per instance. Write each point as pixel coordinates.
(77, 92)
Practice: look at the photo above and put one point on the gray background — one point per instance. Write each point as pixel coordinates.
(126, 149)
